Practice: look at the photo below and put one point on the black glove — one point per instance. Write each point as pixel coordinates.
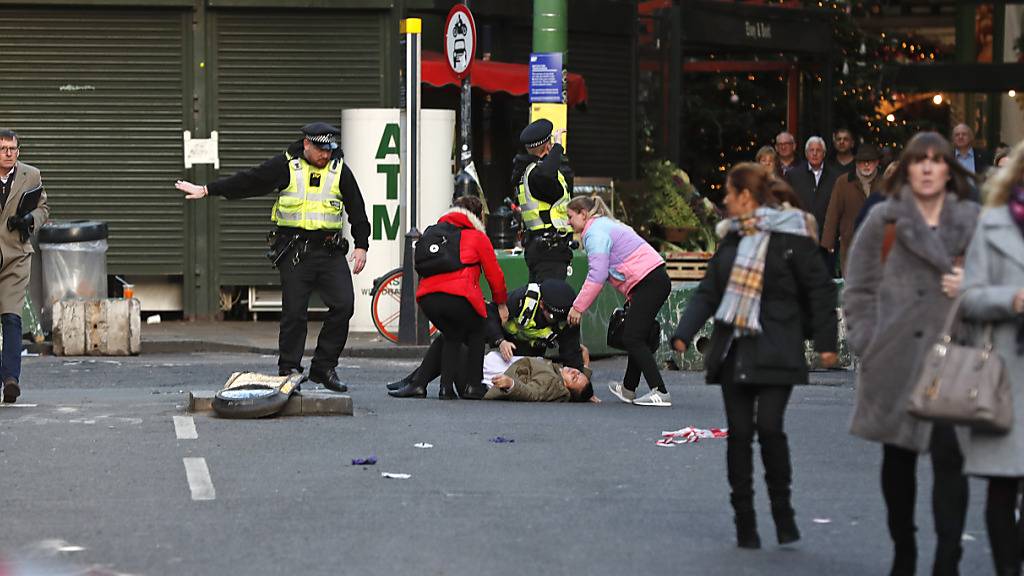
(23, 224)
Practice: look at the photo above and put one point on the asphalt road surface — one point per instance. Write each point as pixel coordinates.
(103, 472)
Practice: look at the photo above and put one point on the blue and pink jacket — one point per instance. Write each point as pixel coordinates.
(616, 253)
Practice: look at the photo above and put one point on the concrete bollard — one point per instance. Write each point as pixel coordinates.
(110, 327)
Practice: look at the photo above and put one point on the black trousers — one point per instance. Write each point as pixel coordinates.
(751, 408)
(645, 301)
(949, 500)
(547, 261)
(1003, 525)
(459, 325)
(330, 275)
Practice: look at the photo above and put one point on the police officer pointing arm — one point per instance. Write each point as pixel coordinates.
(543, 191)
(315, 190)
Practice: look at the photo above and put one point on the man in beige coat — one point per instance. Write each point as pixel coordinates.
(16, 178)
(848, 197)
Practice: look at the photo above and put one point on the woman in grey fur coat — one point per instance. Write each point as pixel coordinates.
(994, 285)
(902, 276)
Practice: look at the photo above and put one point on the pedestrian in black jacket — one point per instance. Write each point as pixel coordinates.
(766, 287)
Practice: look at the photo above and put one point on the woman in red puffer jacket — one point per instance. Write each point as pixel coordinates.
(453, 302)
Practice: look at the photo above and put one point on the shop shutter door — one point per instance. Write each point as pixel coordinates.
(277, 71)
(97, 96)
(600, 138)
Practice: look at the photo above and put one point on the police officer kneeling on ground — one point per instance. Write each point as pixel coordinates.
(543, 193)
(315, 189)
(537, 320)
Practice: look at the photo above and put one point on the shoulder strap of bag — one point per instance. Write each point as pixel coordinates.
(888, 240)
(951, 319)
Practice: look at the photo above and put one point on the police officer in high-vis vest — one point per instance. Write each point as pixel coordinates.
(543, 183)
(316, 189)
(538, 320)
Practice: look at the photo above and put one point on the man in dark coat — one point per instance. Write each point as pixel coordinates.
(813, 181)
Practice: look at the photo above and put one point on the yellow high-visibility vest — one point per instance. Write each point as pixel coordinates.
(312, 199)
(532, 208)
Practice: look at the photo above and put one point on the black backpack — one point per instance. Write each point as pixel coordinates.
(438, 250)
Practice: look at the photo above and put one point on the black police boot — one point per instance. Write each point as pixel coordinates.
(403, 382)
(447, 391)
(329, 379)
(410, 390)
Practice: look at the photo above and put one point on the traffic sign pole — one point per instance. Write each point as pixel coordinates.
(460, 42)
(412, 325)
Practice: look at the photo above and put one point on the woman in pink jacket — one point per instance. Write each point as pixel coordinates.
(617, 254)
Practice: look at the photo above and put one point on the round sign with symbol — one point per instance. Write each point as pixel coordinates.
(460, 40)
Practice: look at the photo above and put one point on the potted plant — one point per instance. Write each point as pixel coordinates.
(674, 210)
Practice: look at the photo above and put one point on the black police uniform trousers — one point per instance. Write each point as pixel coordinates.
(330, 275)
(546, 259)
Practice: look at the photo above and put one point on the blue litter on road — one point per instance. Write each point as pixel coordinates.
(502, 440)
(368, 461)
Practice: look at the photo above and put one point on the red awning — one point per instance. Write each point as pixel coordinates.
(493, 76)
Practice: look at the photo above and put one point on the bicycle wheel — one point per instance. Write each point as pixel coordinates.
(385, 305)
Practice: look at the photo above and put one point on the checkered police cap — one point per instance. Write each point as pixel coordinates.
(322, 135)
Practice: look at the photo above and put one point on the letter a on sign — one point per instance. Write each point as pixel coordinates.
(460, 40)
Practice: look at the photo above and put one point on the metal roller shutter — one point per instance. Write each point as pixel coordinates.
(97, 96)
(600, 137)
(277, 71)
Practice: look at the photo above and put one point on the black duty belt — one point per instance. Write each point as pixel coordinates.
(298, 242)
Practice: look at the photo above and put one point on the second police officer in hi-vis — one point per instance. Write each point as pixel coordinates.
(543, 192)
(316, 189)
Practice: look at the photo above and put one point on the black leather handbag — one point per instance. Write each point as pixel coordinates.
(617, 325)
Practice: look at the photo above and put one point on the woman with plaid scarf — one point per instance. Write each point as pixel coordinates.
(768, 290)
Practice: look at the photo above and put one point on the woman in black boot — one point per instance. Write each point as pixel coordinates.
(453, 302)
(767, 264)
(902, 276)
(994, 295)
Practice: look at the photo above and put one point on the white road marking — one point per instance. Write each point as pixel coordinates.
(18, 405)
(185, 428)
(199, 481)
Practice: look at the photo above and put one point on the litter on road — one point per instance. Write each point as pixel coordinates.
(396, 475)
(422, 445)
(368, 461)
(502, 440)
(690, 435)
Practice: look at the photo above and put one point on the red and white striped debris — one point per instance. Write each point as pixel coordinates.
(690, 435)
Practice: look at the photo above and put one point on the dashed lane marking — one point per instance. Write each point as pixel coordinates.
(185, 428)
(199, 481)
(18, 405)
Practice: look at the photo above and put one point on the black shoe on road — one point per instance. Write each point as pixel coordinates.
(329, 379)
(11, 391)
(402, 383)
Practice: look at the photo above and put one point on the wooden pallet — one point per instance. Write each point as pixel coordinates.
(686, 265)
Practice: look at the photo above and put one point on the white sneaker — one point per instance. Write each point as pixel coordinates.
(621, 392)
(654, 398)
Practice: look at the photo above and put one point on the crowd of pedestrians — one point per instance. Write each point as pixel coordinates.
(904, 233)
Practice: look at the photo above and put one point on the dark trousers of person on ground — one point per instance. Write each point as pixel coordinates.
(330, 275)
(760, 409)
(645, 301)
(1005, 528)
(545, 260)
(459, 325)
(10, 359)
(949, 502)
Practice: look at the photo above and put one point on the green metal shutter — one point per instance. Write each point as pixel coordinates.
(97, 97)
(275, 72)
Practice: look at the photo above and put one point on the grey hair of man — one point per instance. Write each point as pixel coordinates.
(814, 139)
